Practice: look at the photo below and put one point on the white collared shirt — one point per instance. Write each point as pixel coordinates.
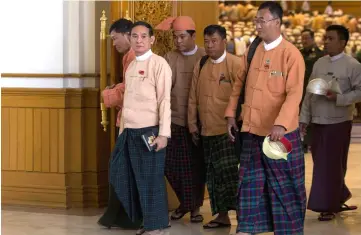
(220, 59)
(273, 44)
(192, 52)
(336, 57)
(145, 56)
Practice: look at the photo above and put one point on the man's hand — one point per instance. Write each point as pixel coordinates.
(277, 133)
(331, 95)
(195, 137)
(303, 128)
(232, 126)
(161, 142)
(110, 87)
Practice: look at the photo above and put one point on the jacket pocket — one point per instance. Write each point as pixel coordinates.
(224, 90)
(276, 84)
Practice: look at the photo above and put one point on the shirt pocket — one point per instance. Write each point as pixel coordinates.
(345, 84)
(276, 83)
(224, 90)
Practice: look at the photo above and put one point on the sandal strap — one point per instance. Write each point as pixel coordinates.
(179, 211)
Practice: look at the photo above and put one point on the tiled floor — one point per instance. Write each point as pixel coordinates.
(20, 221)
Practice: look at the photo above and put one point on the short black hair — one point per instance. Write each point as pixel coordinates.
(342, 32)
(312, 34)
(191, 32)
(274, 7)
(212, 29)
(145, 24)
(121, 26)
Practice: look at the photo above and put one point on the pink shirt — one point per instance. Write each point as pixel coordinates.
(148, 82)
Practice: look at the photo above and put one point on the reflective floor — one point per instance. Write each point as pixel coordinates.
(20, 221)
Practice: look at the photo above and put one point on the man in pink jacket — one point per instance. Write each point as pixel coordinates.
(120, 34)
(115, 215)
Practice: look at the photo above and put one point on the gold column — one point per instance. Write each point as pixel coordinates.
(154, 12)
(103, 67)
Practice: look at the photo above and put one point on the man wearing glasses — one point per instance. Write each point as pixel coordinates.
(136, 171)
(271, 193)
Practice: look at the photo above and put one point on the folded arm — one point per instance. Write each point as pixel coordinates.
(163, 82)
(114, 97)
(192, 101)
(236, 89)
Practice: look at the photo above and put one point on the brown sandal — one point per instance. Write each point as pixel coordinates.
(345, 207)
(214, 224)
(178, 214)
(326, 216)
(197, 218)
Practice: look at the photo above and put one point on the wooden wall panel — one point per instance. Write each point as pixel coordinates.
(13, 138)
(45, 143)
(29, 139)
(37, 139)
(21, 147)
(203, 13)
(54, 140)
(51, 142)
(62, 147)
(5, 139)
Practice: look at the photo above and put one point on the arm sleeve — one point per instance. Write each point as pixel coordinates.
(163, 82)
(114, 97)
(192, 101)
(353, 96)
(167, 57)
(305, 114)
(294, 90)
(237, 87)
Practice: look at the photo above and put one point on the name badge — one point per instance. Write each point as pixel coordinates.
(275, 73)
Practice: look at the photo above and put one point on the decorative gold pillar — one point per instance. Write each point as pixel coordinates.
(103, 67)
(153, 12)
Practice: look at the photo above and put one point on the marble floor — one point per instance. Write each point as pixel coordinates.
(27, 221)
